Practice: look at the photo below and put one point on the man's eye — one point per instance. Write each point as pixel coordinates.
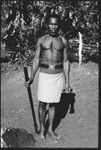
(54, 24)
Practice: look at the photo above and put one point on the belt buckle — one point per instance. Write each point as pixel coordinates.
(51, 67)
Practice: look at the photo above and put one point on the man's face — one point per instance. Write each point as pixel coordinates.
(53, 26)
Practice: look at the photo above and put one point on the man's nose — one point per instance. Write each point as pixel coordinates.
(53, 26)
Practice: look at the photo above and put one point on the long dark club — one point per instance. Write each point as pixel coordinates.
(30, 99)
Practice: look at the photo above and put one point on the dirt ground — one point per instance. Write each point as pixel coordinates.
(77, 130)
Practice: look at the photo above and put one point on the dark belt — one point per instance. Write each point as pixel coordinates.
(51, 66)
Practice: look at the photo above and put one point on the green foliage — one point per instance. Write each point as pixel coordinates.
(23, 22)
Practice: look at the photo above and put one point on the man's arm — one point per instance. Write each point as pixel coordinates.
(66, 66)
(35, 64)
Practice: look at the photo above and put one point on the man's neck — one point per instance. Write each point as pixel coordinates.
(54, 35)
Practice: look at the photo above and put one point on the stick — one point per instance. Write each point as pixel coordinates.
(30, 100)
(80, 49)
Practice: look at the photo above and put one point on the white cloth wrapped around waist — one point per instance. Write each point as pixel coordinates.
(50, 87)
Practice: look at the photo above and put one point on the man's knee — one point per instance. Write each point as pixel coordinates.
(42, 105)
(52, 105)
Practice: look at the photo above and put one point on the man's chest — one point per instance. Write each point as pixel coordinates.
(53, 44)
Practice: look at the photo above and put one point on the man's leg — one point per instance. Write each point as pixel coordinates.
(41, 113)
(52, 134)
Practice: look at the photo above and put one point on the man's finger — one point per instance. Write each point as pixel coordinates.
(26, 84)
(66, 91)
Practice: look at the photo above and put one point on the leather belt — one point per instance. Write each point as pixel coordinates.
(50, 67)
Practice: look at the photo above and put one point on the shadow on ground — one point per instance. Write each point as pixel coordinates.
(15, 137)
(66, 104)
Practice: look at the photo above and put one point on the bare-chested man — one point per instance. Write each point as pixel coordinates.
(52, 60)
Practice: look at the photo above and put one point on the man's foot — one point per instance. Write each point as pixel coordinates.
(53, 136)
(42, 136)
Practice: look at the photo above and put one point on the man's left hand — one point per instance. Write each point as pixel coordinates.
(68, 88)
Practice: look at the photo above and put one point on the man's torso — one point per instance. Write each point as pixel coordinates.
(52, 51)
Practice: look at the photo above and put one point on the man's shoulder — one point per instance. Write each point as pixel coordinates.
(45, 36)
(63, 39)
(42, 38)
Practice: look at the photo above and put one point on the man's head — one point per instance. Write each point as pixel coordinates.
(53, 23)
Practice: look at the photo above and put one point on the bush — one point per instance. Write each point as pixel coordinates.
(23, 22)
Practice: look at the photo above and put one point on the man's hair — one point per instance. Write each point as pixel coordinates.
(53, 16)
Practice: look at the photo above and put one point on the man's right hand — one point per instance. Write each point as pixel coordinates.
(27, 84)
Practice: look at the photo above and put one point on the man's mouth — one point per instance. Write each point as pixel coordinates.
(53, 30)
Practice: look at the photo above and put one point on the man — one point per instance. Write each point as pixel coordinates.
(52, 60)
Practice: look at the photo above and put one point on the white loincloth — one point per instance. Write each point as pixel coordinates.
(50, 87)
